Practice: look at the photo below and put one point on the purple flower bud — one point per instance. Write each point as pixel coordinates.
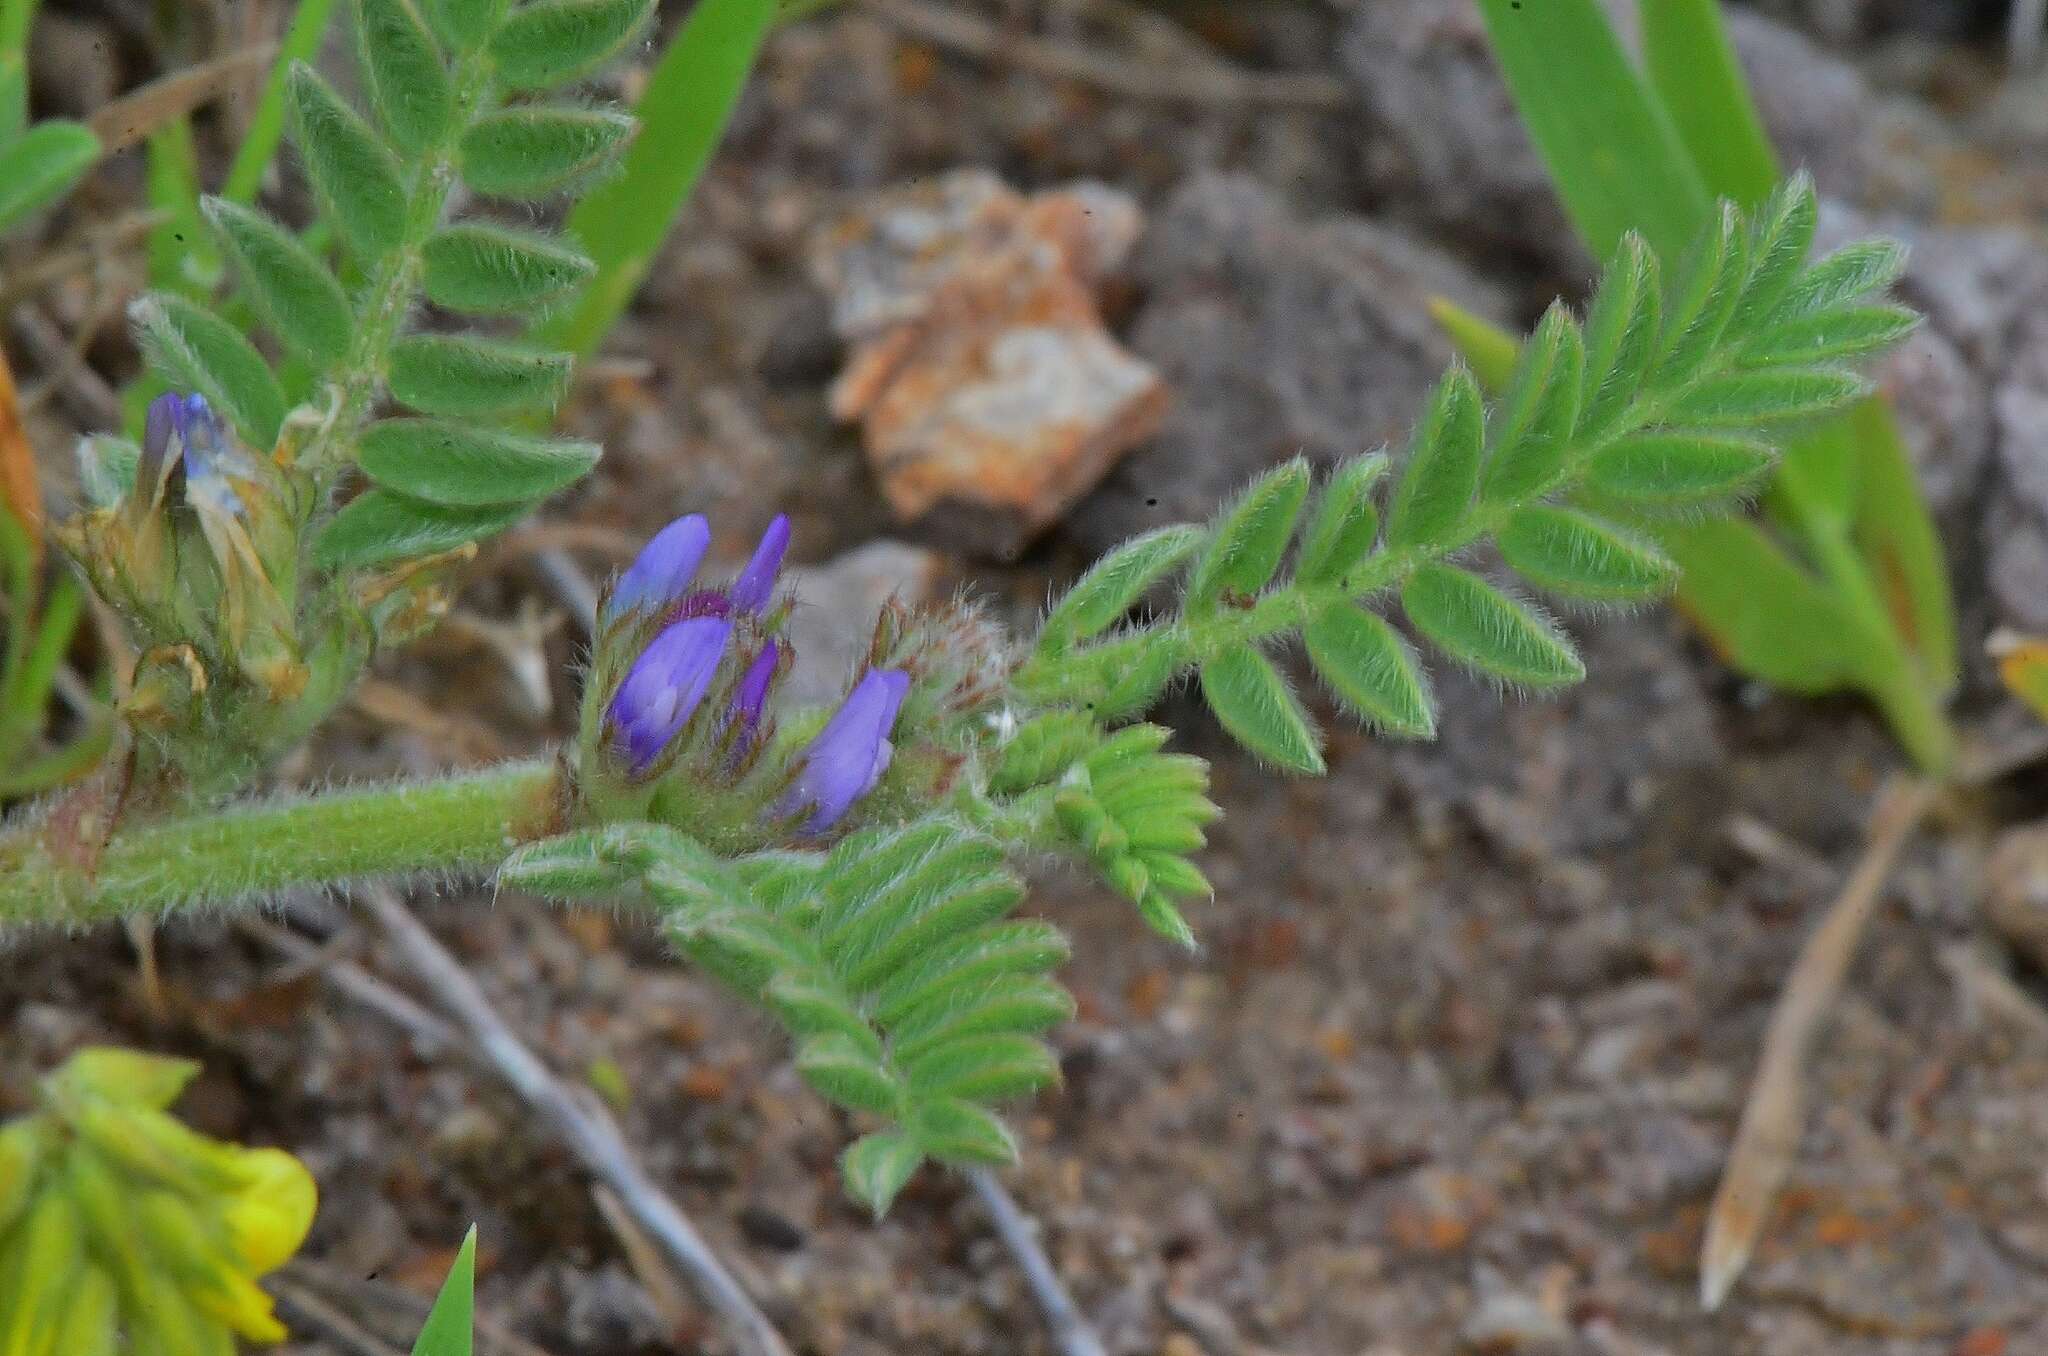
(750, 698)
(756, 584)
(664, 567)
(850, 754)
(664, 686)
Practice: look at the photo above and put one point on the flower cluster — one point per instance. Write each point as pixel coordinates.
(697, 694)
(117, 1220)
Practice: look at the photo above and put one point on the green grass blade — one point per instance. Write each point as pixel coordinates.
(15, 18)
(181, 254)
(683, 113)
(266, 129)
(1613, 153)
(1900, 546)
(449, 1329)
(1692, 67)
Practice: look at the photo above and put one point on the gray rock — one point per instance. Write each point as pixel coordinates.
(835, 612)
(1277, 336)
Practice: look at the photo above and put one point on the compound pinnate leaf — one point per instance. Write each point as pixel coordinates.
(380, 526)
(1580, 556)
(299, 300)
(530, 152)
(460, 463)
(1478, 625)
(355, 175)
(488, 269)
(458, 375)
(1259, 709)
(1677, 468)
(197, 350)
(1436, 488)
(551, 42)
(1114, 584)
(402, 68)
(1245, 548)
(1367, 664)
(1345, 523)
(41, 165)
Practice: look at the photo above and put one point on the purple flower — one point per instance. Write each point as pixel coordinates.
(664, 567)
(756, 584)
(850, 754)
(664, 686)
(182, 430)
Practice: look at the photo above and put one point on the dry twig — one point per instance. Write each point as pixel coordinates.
(135, 115)
(1210, 84)
(1775, 1112)
(585, 1129)
(1070, 1331)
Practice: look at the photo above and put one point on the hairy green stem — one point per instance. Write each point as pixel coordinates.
(463, 823)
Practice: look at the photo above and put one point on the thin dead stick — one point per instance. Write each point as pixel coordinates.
(135, 115)
(590, 1136)
(429, 1033)
(1211, 84)
(403, 1304)
(1070, 1331)
(1774, 1115)
(307, 1309)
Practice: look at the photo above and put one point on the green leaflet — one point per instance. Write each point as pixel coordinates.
(1539, 413)
(1345, 524)
(487, 269)
(379, 527)
(199, 351)
(458, 463)
(1748, 399)
(297, 298)
(464, 25)
(1259, 709)
(1679, 467)
(41, 165)
(456, 375)
(1478, 625)
(354, 174)
(877, 1166)
(1622, 330)
(1368, 665)
(1580, 556)
(530, 152)
(1246, 545)
(403, 72)
(1113, 585)
(1436, 487)
(546, 43)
